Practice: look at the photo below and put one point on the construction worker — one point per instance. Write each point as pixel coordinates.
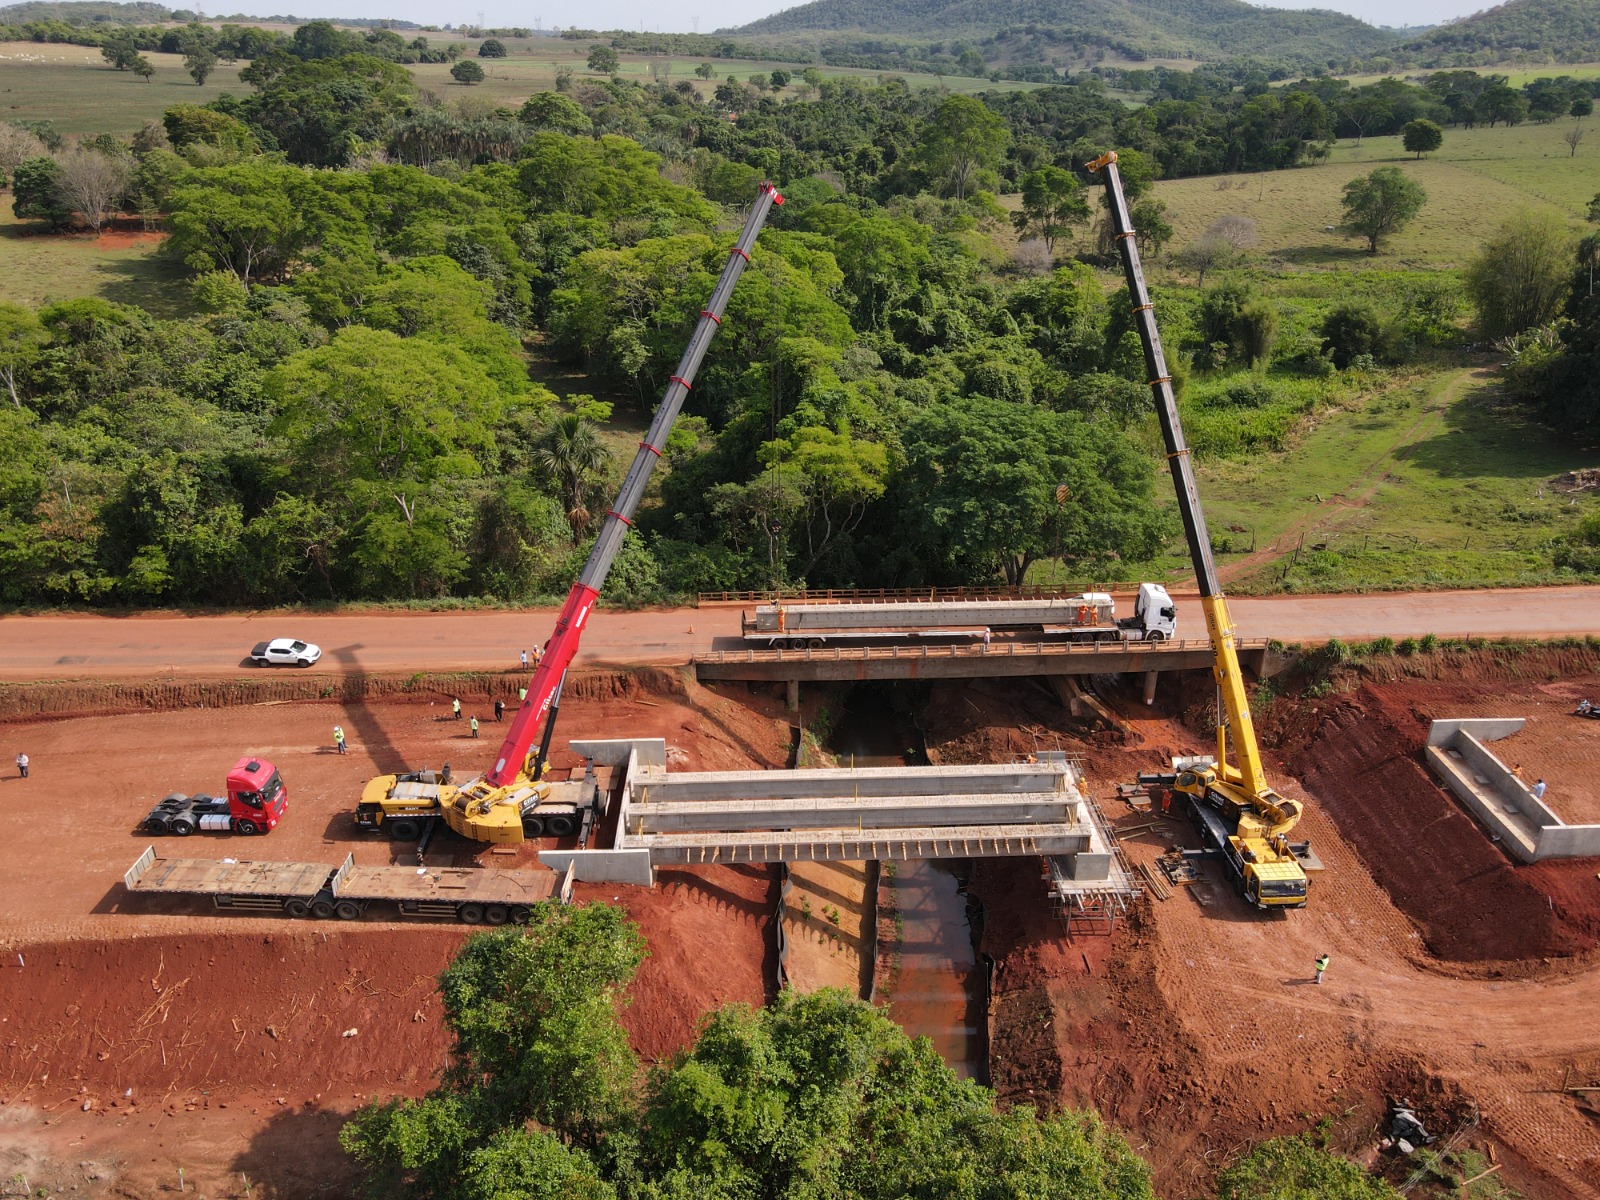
(338, 738)
(499, 710)
(522, 694)
(22, 765)
(455, 706)
(1538, 790)
(1322, 965)
(474, 726)
(444, 775)
(524, 660)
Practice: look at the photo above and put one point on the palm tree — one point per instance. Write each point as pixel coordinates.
(569, 453)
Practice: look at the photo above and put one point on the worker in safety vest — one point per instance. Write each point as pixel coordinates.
(455, 706)
(1322, 965)
(338, 738)
(474, 726)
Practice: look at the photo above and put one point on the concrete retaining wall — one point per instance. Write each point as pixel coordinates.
(1523, 824)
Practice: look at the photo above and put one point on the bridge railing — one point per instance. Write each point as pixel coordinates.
(1007, 649)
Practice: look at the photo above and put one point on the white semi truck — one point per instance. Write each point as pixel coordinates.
(1087, 617)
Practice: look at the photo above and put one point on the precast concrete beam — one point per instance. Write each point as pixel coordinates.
(852, 845)
(654, 785)
(884, 812)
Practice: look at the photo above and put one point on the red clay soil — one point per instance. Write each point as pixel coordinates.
(230, 1029)
(1193, 1028)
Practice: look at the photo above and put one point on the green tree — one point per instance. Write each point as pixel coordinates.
(1421, 136)
(836, 477)
(142, 67)
(1381, 204)
(1052, 203)
(1520, 277)
(705, 70)
(603, 60)
(570, 454)
(200, 62)
(533, 1015)
(120, 50)
(492, 48)
(780, 80)
(256, 219)
(468, 72)
(555, 112)
(994, 486)
(21, 339)
(962, 139)
(36, 192)
(193, 124)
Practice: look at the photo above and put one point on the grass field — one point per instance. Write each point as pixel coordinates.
(73, 87)
(1474, 182)
(1515, 76)
(38, 268)
(1431, 482)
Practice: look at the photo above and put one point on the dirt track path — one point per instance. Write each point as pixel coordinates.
(67, 647)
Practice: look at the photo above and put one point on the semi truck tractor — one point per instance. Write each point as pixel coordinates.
(1089, 617)
(255, 802)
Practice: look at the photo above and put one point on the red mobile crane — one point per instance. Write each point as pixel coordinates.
(495, 800)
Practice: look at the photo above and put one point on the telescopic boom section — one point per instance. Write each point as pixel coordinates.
(1225, 666)
(563, 644)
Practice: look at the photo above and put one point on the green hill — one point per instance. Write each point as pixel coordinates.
(1567, 29)
(1201, 29)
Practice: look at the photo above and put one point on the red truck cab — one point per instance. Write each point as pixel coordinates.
(256, 793)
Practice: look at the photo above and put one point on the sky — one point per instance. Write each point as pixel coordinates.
(687, 16)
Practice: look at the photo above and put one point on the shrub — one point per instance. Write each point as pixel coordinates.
(1350, 331)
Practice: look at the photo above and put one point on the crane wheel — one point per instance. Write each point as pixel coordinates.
(322, 909)
(296, 907)
(560, 826)
(404, 831)
(496, 914)
(347, 910)
(532, 827)
(470, 914)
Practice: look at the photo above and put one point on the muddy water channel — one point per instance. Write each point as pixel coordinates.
(933, 985)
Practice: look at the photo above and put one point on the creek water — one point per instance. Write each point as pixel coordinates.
(935, 988)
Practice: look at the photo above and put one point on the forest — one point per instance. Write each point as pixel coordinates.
(901, 393)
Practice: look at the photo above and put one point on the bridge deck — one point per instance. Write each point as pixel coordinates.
(1005, 658)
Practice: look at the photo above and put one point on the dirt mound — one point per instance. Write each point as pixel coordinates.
(1585, 479)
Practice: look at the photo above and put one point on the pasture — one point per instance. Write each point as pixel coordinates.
(73, 87)
(1475, 181)
(120, 265)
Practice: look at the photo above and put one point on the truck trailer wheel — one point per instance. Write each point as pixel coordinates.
(520, 913)
(496, 914)
(156, 826)
(404, 831)
(347, 910)
(470, 914)
(322, 909)
(561, 826)
(296, 907)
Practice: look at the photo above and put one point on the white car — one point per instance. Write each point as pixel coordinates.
(285, 652)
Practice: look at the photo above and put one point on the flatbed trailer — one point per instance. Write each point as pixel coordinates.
(473, 895)
(1087, 617)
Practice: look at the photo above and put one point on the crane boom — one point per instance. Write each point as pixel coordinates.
(563, 644)
(1248, 772)
(1235, 809)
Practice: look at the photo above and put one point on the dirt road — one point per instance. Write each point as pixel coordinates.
(61, 647)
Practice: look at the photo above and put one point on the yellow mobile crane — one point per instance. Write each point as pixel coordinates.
(1235, 809)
